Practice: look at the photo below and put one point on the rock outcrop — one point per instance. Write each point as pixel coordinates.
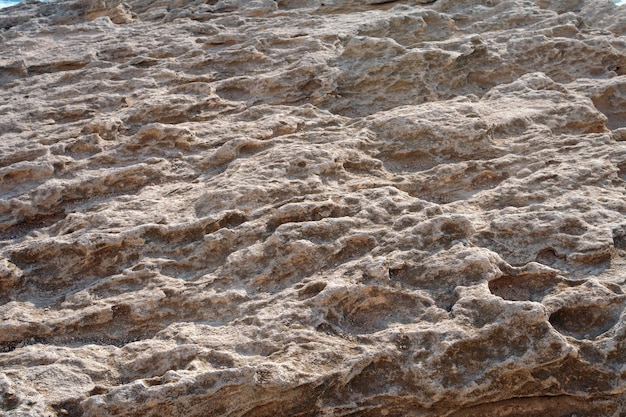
(313, 208)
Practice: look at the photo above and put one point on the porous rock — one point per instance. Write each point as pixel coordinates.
(313, 208)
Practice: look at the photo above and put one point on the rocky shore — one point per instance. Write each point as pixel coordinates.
(313, 208)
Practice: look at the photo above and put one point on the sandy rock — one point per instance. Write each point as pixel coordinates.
(313, 208)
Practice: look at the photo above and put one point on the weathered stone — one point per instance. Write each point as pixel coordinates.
(313, 208)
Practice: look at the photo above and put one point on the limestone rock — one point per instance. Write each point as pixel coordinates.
(313, 208)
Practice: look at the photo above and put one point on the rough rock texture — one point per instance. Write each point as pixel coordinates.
(313, 208)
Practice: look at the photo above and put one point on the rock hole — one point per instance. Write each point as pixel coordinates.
(487, 179)
(398, 274)
(233, 93)
(548, 256)
(232, 220)
(311, 290)
(9, 401)
(573, 227)
(619, 238)
(585, 322)
(121, 311)
(371, 309)
(70, 408)
(523, 287)
(354, 247)
(454, 231)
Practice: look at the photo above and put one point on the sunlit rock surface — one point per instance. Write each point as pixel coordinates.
(313, 208)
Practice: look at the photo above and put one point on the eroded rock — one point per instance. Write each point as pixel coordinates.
(313, 208)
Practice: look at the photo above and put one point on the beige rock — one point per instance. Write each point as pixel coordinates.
(313, 208)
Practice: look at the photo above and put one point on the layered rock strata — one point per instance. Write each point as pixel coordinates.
(313, 208)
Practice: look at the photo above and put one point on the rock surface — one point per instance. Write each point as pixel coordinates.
(313, 208)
